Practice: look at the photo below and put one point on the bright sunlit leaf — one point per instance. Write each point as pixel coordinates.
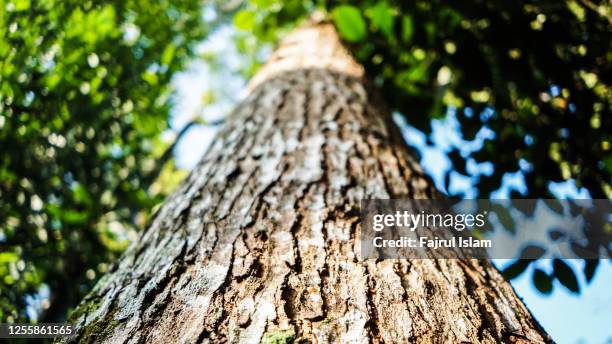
(350, 23)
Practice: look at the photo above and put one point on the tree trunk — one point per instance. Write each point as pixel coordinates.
(258, 244)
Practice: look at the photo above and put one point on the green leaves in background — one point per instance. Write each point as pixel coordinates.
(504, 217)
(532, 74)
(407, 28)
(542, 281)
(353, 27)
(84, 89)
(383, 18)
(516, 268)
(565, 275)
(350, 23)
(245, 20)
(590, 267)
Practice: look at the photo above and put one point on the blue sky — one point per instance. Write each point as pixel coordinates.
(569, 318)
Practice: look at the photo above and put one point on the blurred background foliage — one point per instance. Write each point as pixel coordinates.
(535, 72)
(84, 100)
(84, 89)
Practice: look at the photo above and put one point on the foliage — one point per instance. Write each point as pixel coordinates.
(534, 73)
(83, 98)
(350, 23)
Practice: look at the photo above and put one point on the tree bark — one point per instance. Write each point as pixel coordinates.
(258, 244)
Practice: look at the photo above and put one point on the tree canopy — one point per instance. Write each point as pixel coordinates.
(84, 96)
(535, 72)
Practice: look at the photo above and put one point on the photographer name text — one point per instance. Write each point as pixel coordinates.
(432, 243)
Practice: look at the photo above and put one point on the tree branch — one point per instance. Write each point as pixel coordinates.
(161, 162)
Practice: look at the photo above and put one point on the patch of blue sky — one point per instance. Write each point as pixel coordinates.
(190, 88)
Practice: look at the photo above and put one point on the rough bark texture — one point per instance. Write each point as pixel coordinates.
(258, 244)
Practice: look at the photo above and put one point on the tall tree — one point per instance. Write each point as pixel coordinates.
(259, 243)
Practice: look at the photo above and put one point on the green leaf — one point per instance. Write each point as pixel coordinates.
(516, 269)
(168, 54)
(542, 281)
(583, 251)
(532, 252)
(525, 206)
(505, 218)
(566, 276)
(21, 5)
(74, 217)
(459, 162)
(554, 205)
(590, 266)
(81, 195)
(608, 163)
(382, 17)
(245, 20)
(350, 23)
(407, 29)
(8, 257)
(263, 3)
(414, 74)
